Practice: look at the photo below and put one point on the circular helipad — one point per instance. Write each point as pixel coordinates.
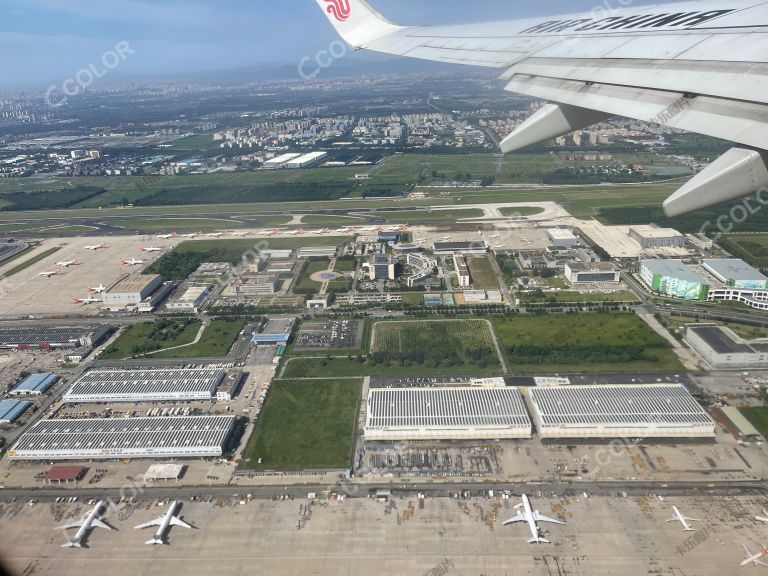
(324, 276)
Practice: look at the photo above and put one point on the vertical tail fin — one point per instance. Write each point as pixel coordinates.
(356, 21)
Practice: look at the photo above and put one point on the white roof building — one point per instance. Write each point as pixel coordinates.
(638, 411)
(110, 438)
(466, 413)
(145, 385)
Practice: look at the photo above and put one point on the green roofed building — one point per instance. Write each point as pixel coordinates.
(673, 278)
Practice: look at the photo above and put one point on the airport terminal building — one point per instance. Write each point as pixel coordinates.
(446, 414)
(644, 411)
(115, 438)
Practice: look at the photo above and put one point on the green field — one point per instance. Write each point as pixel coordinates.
(433, 344)
(576, 297)
(430, 215)
(521, 211)
(218, 338)
(758, 417)
(587, 342)
(139, 339)
(32, 261)
(305, 284)
(300, 367)
(305, 424)
(752, 248)
(482, 273)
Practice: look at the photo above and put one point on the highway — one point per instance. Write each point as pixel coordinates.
(358, 489)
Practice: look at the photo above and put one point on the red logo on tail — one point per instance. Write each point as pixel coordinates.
(340, 9)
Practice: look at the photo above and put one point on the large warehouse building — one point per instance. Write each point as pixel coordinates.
(650, 237)
(446, 414)
(131, 290)
(673, 278)
(10, 410)
(145, 385)
(584, 272)
(647, 411)
(35, 385)
(48, 337)
(108, 438)
(722, 348)
(736, 273)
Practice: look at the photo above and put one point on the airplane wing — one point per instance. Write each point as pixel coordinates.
(99, 524)
(155, 522)
(518, 518)
(541, 518)
(694, 66)
(77, 524)
(175, 521)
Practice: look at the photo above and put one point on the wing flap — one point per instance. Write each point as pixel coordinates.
(740, 122)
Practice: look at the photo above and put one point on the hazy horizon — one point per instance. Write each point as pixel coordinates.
(46, 41)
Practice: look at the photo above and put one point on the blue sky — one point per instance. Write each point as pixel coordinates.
(45, 41)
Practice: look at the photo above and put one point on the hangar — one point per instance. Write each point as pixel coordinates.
(10, 410)
(108, 438)
(640, 411)
(446, 414)
(35, 385)
(145, 385)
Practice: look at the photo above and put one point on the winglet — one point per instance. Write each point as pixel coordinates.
(356, 21)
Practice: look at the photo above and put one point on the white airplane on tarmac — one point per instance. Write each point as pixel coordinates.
(96, 247)
(85, 301)
(167, 236)
(242, 233)
(132, 262)
(67, 263)
(217, 234)
(57, 272)
(85, 525)
(347, 229)
(152, 249)
(296, 232)
(323, 231)
(532, 518)
(96, 290)
(164, 522)
(192, 235)
(679, 517)
(694, 66)
(754, 559)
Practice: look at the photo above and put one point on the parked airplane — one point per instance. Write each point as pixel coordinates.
(399, 228)
(243, 233)
(378, 228)
(97, 290)
(152, 249)
(754, 559)
(164, 522)
(531, 517)
(85, 525)
(132, 262)
(323, 231)
(68, 263)
(296, 232)
(192, 235)
(217, 234)
(167, 236)
(347, 229)
(692, 66)
(679, 517)
(85, 301)
(57, 272)
(96, 247)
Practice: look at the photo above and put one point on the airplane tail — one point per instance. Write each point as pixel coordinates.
(538, 540)
(356, 21)
(71, 544)
(154, 542)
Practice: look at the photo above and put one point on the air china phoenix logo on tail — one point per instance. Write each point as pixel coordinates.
(340, 9)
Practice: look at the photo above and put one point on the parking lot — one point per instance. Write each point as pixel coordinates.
(331, 335)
